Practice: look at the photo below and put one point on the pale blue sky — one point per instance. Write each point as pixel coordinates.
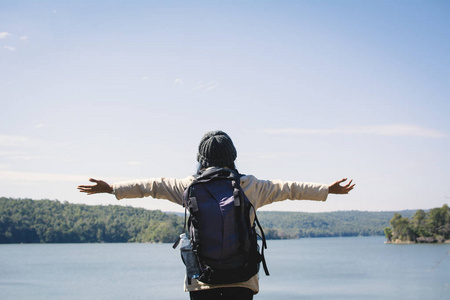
(308, 90)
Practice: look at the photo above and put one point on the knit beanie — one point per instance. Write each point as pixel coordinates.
(216, 149)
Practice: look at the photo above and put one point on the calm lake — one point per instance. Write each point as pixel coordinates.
(320, 268)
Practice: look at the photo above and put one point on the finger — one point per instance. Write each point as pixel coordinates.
(94, 180)
(85, 186)
(348, 184)
(342, 180)
(338, 182)
(350, 188)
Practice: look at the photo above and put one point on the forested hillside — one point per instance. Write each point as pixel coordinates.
(45, 221)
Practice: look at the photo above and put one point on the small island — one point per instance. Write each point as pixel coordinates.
(423, 227)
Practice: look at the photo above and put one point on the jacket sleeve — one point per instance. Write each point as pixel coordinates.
(160, 188)
(263, 192)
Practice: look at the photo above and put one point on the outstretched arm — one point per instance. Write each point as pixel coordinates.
(337, 188)
(99, 187)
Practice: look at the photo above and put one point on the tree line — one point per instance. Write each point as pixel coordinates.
(293, 225)
(47, 221)
(423, 227)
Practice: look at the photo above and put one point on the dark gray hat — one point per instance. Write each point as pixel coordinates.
(216, 149)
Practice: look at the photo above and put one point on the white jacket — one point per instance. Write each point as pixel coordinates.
(259, 192)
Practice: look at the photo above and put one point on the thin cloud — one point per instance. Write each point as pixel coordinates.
(205, 86)
(135, 163)
(11, 153)
(23, 157)
(200, 86)
(4, 35)
(25, 144)
(9, 48)
(23, 38)
(19, 155)
(210, 88)
(34, 176)
(14, 140)
(272, 155)
(383, 130)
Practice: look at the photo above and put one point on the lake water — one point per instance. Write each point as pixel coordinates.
(320, 268)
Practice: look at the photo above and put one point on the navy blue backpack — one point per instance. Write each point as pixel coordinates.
(222, 246)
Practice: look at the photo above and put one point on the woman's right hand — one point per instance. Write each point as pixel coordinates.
(99, 187)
